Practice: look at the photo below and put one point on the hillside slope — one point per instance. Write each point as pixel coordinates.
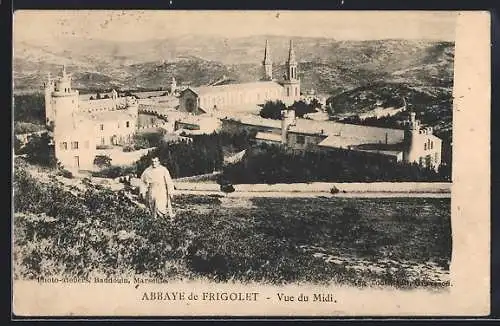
(327, 65)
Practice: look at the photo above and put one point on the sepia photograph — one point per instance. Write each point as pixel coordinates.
(263, 149)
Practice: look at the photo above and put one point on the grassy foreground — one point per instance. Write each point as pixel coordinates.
(404, 242)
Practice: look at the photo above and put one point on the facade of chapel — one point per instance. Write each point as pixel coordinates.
(233, 97)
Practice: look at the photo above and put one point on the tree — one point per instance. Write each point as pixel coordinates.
(272, 110)
(29, 108)
(102, 161)
(40, 151)
(98, 96)
(301, 108)
(315, 104)
(91, 98)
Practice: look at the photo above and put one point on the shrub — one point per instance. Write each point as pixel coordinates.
(273, 164)
(65, 173)
(227, 188)
(203, 155)
(128, 148)
(114, 171)
(102, 161)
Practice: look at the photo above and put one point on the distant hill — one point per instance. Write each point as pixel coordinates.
(325, 64)
(354, 74)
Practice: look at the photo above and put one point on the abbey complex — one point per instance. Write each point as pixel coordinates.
(83, 125)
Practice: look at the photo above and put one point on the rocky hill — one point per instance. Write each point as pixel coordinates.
(327, 65)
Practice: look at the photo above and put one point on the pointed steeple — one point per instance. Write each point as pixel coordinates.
(291, 64)
(267, 54)
(291, 54)
(267, 63)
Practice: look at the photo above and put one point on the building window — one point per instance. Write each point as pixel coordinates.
(102, 127)
(118, 125)
(288, 92)
(432, 144)
(301, 139)
(127, 124)
(421, 161)
(428, 160)
(74, 145)
(103, 141)
(425, 147)
(64, 145)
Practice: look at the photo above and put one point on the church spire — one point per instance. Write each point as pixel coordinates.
(291, 54)
(291, 64)
(267, 54)
(267, 63)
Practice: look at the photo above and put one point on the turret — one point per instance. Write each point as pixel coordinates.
(49, 111)
(267, 63)
(411, 135)
(64, 100)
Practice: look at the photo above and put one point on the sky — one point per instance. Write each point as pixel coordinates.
(155, 24)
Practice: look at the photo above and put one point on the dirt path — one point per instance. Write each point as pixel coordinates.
(285, 194)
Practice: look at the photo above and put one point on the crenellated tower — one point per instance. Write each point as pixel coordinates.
(61, 101)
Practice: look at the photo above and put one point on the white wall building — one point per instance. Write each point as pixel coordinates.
(81, 125)
(232, 97)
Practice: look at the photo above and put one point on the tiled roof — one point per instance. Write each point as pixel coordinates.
(111, 115)
(255, 121)
(148, 94)
(357, 133)
(102, 103)
(203, 90)
(380, 152)
(268, 136)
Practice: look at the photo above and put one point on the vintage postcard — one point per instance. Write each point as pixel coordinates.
(251, 163)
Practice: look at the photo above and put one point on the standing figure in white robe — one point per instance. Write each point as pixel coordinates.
(157, 188)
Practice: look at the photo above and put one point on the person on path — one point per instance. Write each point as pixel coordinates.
(157, 188)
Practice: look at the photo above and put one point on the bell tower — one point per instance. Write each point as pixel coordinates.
(267, 63)
(291, 64)
(291, 82)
